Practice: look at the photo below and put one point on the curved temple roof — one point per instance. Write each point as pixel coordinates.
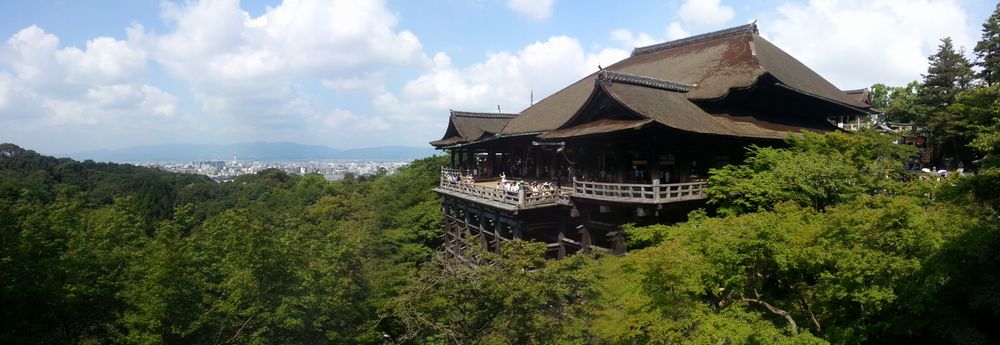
(698, 68)
(464, 127)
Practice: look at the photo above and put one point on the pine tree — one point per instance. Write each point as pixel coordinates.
(948, 74)
(988, 49)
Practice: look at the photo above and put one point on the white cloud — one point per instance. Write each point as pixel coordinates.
(675, 31)
(628, 40)
(104, 60)
(373, 83)
(340, 118)
(705, 12)
(249, 70)
(534, 9)
(144, 99)
(855, 44)
(54, 86)
(506, 79)
(217, 40)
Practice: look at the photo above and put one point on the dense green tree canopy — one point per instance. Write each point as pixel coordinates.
(825, 239)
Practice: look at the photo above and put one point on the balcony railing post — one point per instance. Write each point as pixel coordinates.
(656, 190)
(520, 194)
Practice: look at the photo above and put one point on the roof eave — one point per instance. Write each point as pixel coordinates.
(810, 94)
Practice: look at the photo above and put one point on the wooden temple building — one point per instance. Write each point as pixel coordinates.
(631, 143)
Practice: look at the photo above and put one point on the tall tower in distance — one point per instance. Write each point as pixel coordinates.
(234, 158)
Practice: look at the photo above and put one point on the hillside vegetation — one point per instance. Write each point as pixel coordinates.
(826, 240)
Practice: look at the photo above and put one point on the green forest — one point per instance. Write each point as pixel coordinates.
(825, 240)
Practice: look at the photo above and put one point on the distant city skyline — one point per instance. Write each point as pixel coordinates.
(256, 151)
(80, 75)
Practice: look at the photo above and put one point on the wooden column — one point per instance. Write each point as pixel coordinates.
(538, 163)
(461, 159)
(585, 240)
(622, 162)
(653, 162)
(618, 242)
(562, 244)
(482, 229)
(496, 235)
(494, 169)
(470, 159)
(451, 152)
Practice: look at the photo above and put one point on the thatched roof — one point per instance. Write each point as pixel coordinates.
(861, 95)
(464, 127)
(699, 68)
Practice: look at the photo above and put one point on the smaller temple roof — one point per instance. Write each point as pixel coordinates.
(863, 96)
(465, 126)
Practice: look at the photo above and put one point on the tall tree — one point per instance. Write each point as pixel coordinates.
(988, 49)
(948, 74)
(899, 103)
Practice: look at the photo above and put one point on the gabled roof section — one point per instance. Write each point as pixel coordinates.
(861, 95)
(625, 78)
(735, 31)
(465, 126)
(639, 105)
(708, 65)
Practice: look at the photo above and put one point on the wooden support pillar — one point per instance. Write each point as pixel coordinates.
(494, 168)
(524, 162)
(538, 163)
(465, 222)
(585, 240)
(482, 228)
(621, 164)
(653, 163)
(461, 159)
(496, 235)
(496, 227)
(562, 244)
(470, 159)
(617, 242)
(451, 153)
(682, 167)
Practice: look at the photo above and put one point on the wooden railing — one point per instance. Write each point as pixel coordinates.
(519, 199)
(654, 193)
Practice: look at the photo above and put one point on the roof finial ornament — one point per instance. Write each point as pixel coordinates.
(599, 67)
(498, 109)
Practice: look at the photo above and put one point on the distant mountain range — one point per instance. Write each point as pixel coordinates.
(258, 151)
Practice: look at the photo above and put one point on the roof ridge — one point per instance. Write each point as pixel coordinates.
(625, 78)
(480, 115)
(855, 90)
(752, 27)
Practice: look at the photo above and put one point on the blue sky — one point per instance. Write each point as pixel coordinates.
(81, 75)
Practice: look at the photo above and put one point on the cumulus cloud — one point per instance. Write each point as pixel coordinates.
(855, 44)
(534, 9)
(105, 59)
(52, 85)
(250, 68)
(705, 12)
(628, 40)
(675, 31)
(507, 79)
